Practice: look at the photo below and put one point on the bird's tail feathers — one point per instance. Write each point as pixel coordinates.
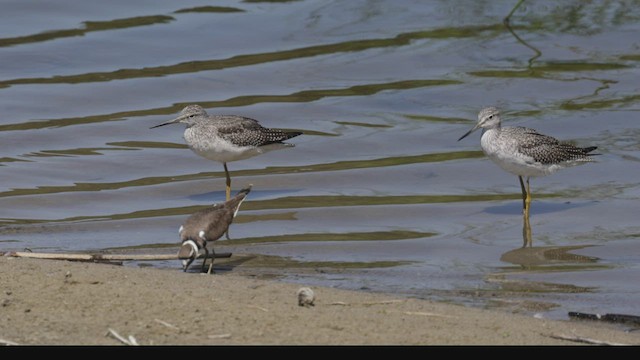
(245, 191)
(292, 134)
(589, 149)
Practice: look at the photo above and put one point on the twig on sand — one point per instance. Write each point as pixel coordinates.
(171, 326)
(583, 340)
(258, 307)
(219, 336)
(368, 303)
(7, 342)
(131, 341)
(421, 313)
(385, 302)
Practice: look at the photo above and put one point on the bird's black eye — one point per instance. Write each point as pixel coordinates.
(490, 116)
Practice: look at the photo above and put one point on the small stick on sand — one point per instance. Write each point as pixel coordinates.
(583, 340)
(220, 336)
(384, 302)
(428, 314)
(7, 342)
(167, 324)
(131, 341)
(258, 307)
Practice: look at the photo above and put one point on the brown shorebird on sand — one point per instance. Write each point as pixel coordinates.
(207, 225)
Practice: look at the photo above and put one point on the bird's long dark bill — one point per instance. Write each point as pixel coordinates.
(467, 134)
(166, 123)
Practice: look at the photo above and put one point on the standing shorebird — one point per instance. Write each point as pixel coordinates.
(525, 152)
(207, 225)
(226, 138)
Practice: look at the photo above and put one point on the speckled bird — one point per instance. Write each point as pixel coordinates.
(207, 225)
(226, 138)
(525, 152)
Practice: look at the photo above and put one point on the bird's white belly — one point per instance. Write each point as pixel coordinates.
(522, 165)
(224, 151)
(505, 154)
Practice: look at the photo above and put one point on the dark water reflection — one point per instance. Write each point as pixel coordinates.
(377, 194)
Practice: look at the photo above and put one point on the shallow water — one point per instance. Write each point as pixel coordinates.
(378, 194)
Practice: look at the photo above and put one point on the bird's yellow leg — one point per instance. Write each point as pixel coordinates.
(526, 232)
(526, 229)
(226, 171)
(527, 201)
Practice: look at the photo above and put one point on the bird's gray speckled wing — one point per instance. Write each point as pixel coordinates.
(244, 131)
(546, 149)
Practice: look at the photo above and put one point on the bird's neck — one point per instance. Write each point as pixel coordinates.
(495, 126)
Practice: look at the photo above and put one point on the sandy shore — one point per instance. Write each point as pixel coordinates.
(61, 302)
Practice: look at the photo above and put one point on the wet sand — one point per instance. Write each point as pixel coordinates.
(61, 302)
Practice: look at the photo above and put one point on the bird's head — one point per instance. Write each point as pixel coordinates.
(188, 253)
(189, 115)
(488, 118)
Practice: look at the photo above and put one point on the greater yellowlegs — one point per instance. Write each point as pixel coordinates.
(525, 152)
(226, 138)
(207, 225)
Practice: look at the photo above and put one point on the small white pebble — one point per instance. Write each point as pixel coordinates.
(306, 297)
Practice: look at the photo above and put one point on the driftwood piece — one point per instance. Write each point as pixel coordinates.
(584, 340)
(612, 318)
(103, 257)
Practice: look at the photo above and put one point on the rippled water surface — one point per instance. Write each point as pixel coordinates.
(378, 194)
